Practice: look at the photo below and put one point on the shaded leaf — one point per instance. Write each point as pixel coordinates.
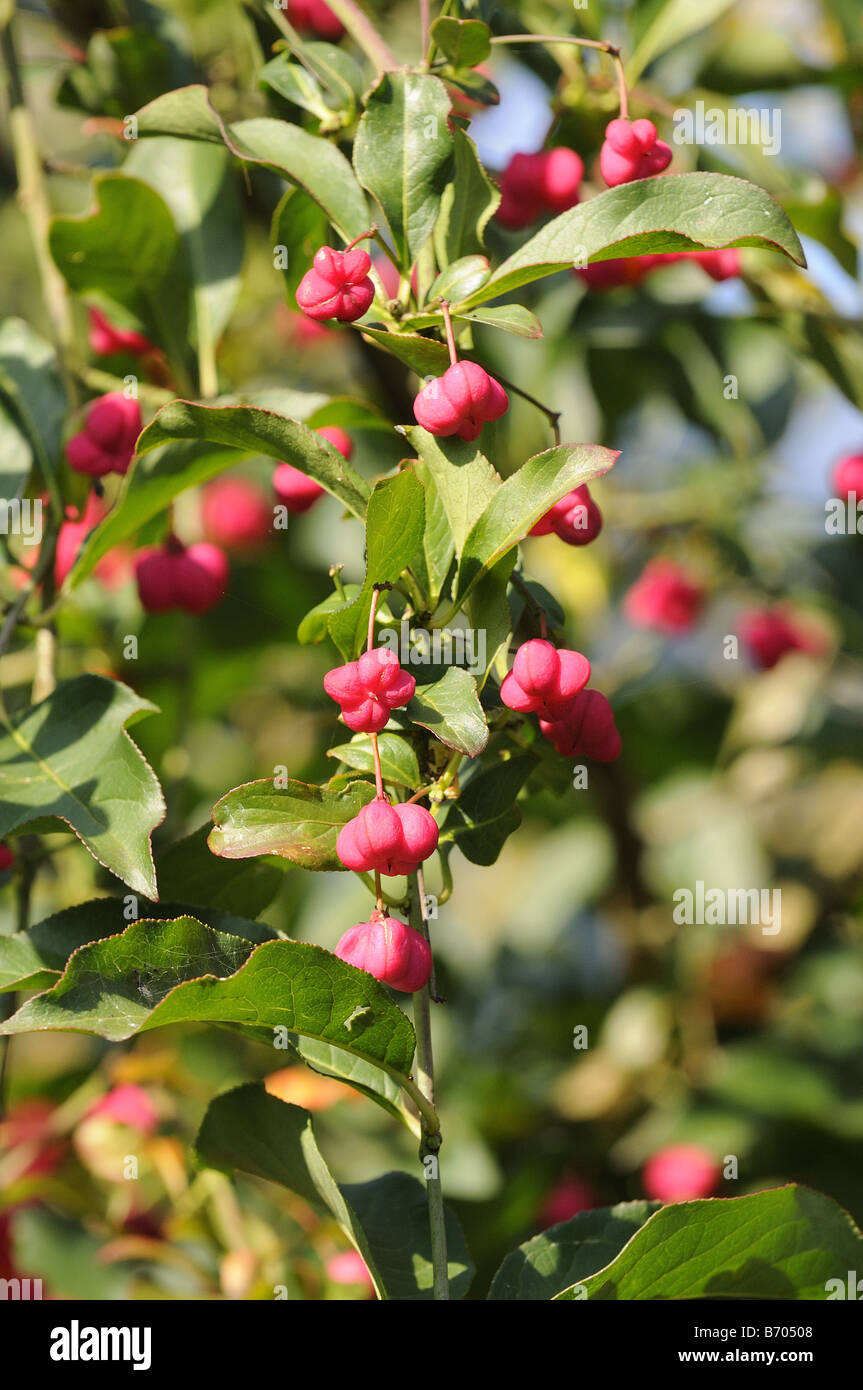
(386, 1219)
(785, 1243)
(568, 1253)
(70, 757)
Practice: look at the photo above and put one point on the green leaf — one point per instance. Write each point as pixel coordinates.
(147, 490)
(156, 479)
(488, 610)
(464, 41)
(306, 160)
(301, 87)
(432, 565)
(674, 21)
(425, 356)
(460, 279)
(402, 154)
(386, 1219)
(33, 391)
(465, 480)
(313, 627)
(510, 318)
(33, 959)
(398, 759)
(301, 227)
(521, 500)
(678, 212)
(162, 973)
(129, 250)
(786, 1243)
(200, 189)
(568, 1253)
(363, 1076)
(394, 530)
(300, 822)
(450, 709)
(253, 430)
(190, 872)
(70, 757)
(486, 813)
(469, 202)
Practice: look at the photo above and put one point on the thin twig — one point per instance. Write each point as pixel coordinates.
(601, 45)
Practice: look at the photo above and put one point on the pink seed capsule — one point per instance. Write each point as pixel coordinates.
(394, 953)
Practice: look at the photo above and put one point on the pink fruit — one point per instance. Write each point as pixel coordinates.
(631, 150)
(665, 598)
(566, 1199)
(369, 689)
(349, 1268)
(576, 518)
(190, 578)
(391, 951)
(770, 633)
(314, 17)
(337, 286)
(235, 513)
(128, 1105)
(106, 338)
(106, 444)
(681, 1173)
(533, 184)
(392, 839)
(720, 265)
(339, 439)
(460, 402)
(544, 680)
(295, 489)
(560, 176)
(848, 476)
(586, 729)
(7, 858)
(520, 191)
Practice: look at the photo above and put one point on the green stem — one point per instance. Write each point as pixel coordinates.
(602, 45)
(430, 1142)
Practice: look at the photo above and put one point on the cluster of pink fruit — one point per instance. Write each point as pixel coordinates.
(383, 838)
(173, 576)
(550, 682)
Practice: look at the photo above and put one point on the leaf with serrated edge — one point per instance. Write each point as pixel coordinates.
(35, 958)
(158, 973)
(678, 212)
(300, 822)
(71, 757)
